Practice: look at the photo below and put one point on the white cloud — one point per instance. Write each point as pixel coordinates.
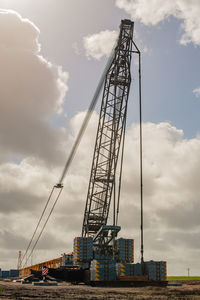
(171, 193)
(151, 12)
(17, 32)
(100, 44)
(196, 92)
(148, 12)
(32, 89)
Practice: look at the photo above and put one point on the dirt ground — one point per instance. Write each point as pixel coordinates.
(10, 290)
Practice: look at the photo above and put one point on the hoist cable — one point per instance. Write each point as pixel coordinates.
(38, 223)
(121, 167)
(71, 155)
(44, 225)
(87, 118)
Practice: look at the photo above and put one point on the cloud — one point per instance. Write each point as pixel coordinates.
(32, 90)
(99, 44)
(152, 12)
(171, 193)
(196, 92)
(24, 37)
(24, 188)
(31, 150)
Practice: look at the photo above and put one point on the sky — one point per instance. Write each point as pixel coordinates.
(53, 53)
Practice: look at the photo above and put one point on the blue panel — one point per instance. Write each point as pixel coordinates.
(5, 274)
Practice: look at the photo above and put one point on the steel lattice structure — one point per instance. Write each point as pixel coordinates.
(109, 134)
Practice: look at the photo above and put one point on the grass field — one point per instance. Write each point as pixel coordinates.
(183, 278)
(1, 289)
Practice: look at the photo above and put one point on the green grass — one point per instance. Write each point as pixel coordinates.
(1, 289)
(183, 278)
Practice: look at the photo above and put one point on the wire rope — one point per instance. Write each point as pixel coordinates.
(71, 156)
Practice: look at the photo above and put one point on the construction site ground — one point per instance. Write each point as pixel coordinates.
(11, 290)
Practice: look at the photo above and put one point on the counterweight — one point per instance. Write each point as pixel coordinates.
(109, 134)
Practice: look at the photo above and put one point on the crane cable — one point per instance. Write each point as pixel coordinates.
(71, 155)
(44, 226)
(38, 223)
(121, 167)
(87, 118)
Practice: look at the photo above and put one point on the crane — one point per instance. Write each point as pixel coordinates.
(109, 138)
(98, 255)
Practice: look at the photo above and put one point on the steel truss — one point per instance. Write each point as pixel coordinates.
(109, 134)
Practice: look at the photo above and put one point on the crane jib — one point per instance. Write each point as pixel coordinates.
(110, 132)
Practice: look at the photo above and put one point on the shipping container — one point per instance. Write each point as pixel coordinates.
(14, 273)
(5, 274)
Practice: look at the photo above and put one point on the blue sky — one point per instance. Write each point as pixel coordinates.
(170, 74)
(43, 96)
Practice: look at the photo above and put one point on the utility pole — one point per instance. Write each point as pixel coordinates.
(19, 264)
(188, 269)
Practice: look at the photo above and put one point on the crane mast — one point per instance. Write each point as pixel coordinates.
(110, 131)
